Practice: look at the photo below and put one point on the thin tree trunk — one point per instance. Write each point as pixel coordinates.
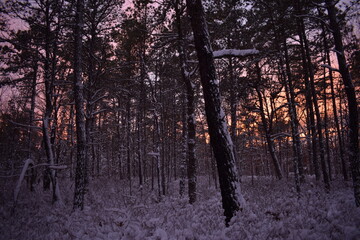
(32, 109)
(327, 141)
(267, 130)
(89, 118)
(334, 108)
(49, 87)
(191, 122)
(183, 150)
(174, 143)
(31, 121)
(81, 161)
(337, 124)
(128, 141)
(233, 115)
(294, 122)
(317, 111)
(309, 102)
(71, 139)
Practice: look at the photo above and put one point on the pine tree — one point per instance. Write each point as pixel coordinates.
(354, 154)
(81, 161)
(219, 136)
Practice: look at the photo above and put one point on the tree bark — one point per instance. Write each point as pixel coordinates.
(219, 136)
(81, 161)
(183, 150)
(310, 70)
(309, 103)
(49, 90)
(128, 141)
(190, 111)
(267, 129)
(326, 129)
(327, 60)
(294, 121)
(336, 119)
(351, 98)
(31, 121)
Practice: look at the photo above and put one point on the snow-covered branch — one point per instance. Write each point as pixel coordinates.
(234, 53)
(330, 67)
(21, 178)
(192, 72)
(316, 18)
(155, 154)
(279, 135)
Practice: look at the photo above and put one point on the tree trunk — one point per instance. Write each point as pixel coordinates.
(294, 122)
(327, 140)
(31, 121)
(71, 140)
(233, 115)
(141, 116)
(183, 150)
(32, 109)
(267, 130)
(309, 103)
(89, 118)
(49, 88)
(351, 97)
(128, 141)
(333, 99)
(336, 119)
(81, 161)
(219, 136)
(316, 107)
(191, 122)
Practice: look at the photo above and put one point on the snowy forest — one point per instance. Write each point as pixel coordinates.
(179, 119)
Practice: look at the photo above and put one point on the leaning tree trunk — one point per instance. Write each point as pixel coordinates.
(267, 129)
(219, 136)
(351, 97)
(81, 162)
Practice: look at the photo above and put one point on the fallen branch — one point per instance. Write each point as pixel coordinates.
(21, 178)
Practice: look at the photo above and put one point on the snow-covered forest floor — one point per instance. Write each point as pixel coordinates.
(273, 211)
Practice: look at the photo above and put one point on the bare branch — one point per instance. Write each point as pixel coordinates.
(330, 67)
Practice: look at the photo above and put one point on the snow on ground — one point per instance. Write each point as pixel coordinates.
(273, 211)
